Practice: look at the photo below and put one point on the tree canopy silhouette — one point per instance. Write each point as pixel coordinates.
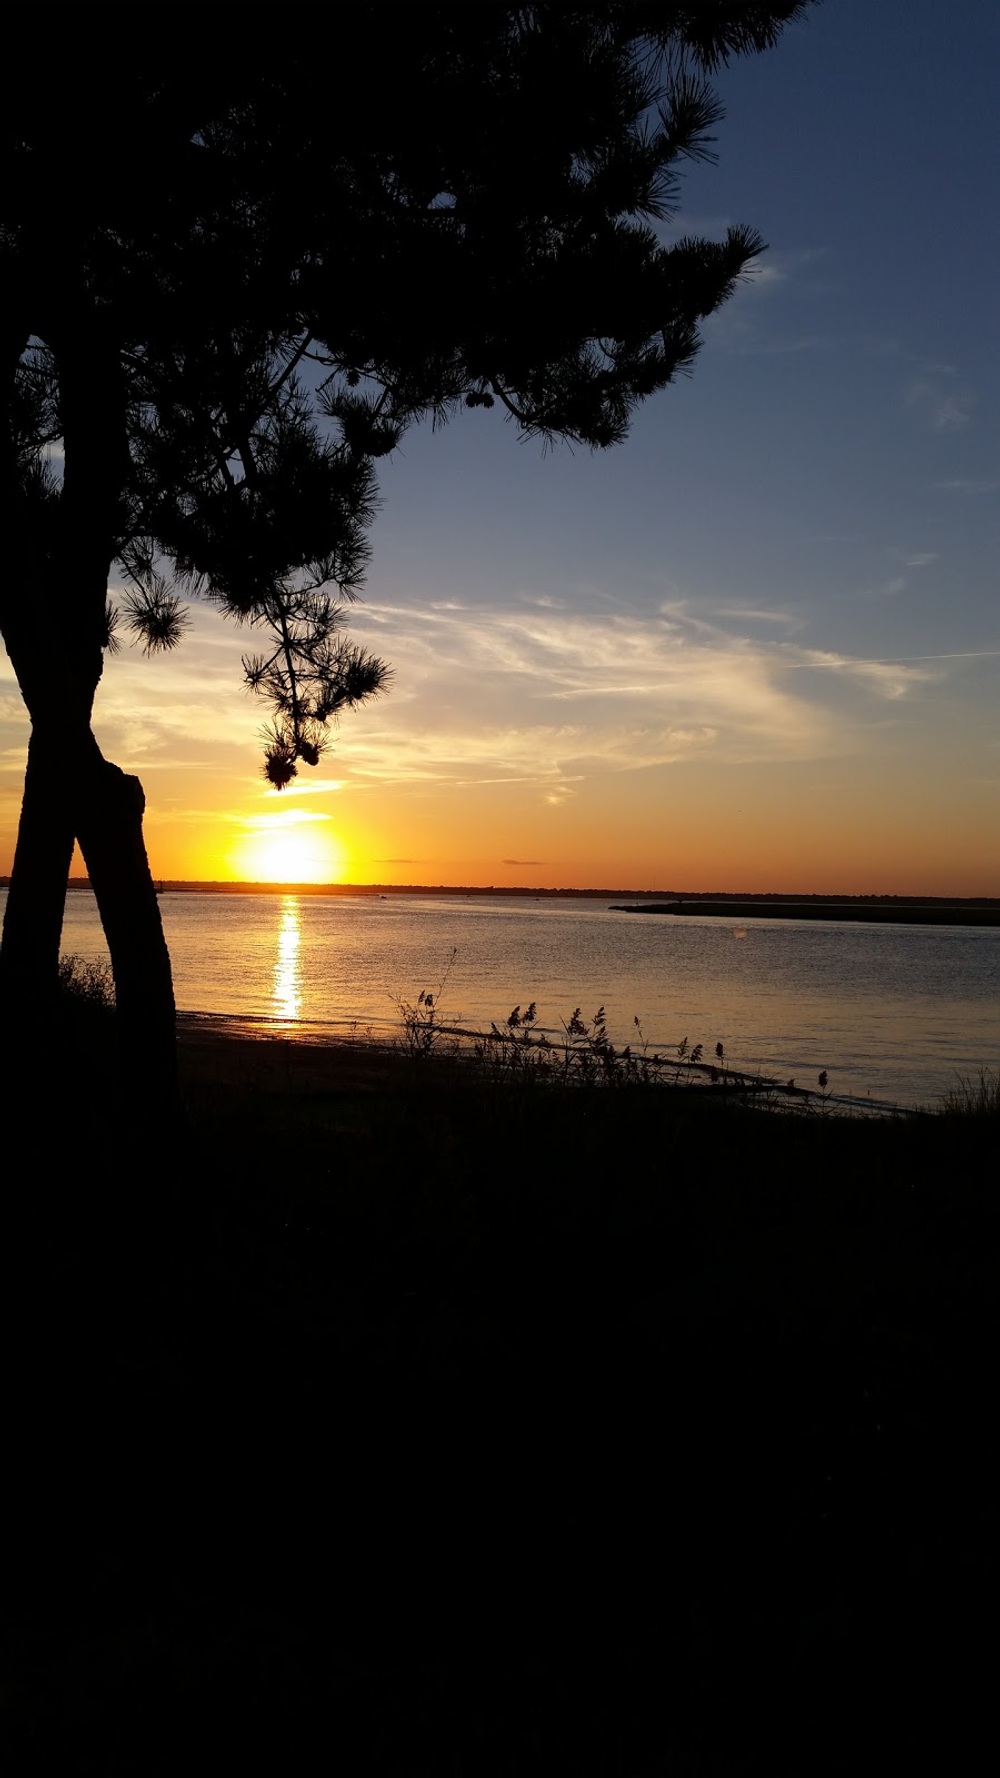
(227, 300)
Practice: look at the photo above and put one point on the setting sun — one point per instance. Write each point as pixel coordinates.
(292, 846)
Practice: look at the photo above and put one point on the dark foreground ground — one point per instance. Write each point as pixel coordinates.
(391, 1423)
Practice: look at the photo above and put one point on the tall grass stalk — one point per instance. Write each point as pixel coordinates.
(519, 1051)
(977, 1097)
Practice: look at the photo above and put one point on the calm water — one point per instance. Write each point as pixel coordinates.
(894, 1012)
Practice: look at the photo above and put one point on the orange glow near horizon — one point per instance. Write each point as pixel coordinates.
(918, 822)
(787, 838)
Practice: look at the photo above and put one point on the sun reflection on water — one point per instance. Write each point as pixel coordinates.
(287, 990)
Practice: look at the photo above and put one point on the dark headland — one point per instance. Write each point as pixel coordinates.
(880, 909)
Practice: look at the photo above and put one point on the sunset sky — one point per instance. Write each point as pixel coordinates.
(755, 648)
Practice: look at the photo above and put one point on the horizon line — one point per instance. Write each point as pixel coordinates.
(255, 886)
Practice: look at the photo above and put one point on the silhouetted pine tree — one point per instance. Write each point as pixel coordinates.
(234, 274)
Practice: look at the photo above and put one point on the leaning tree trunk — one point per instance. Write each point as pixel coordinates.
(72, 791)
(108, 811)
(29, 955)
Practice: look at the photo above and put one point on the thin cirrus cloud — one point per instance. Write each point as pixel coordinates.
(966, 484)
(749, 614)
(751, 324)
(550, 698)
(940, 401)
(887, 679)
(898, 583)
(278, 818)
(886, 589)
(911, 558)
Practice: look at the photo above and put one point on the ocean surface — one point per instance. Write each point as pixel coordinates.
(892, 1013)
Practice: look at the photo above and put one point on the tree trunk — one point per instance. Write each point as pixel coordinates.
(54, 626)
(108, 821)
(32, 930)
(71, 790)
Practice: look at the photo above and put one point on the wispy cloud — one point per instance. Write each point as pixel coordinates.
(279, 818)
(783, 265)
(887, 678)
(535, 697)
(911, 558)
(964, 484)
(751, 615)
(307, 786)
(940, 400)
(758, 319)
(885, 589)
(956, 654)
(765, 274)
(183, 708)
(548, 699)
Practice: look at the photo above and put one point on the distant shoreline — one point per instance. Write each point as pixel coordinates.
(875, 910)
(746, 904)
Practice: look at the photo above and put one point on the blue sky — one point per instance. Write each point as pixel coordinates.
(757, 646)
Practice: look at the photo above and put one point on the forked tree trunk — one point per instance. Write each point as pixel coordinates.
(55, 633)
(71, 791)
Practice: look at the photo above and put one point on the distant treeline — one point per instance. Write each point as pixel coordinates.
(653, 900)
